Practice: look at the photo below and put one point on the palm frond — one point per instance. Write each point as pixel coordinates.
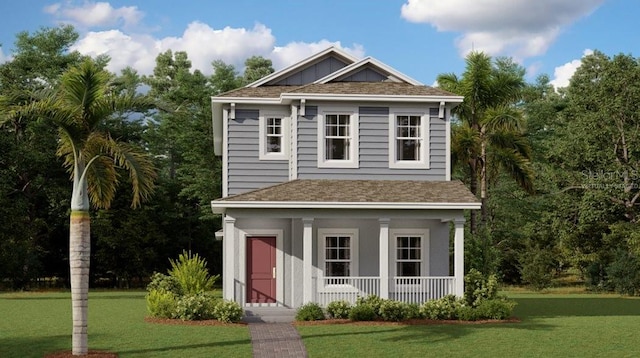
(465, 144)
(81, 88)
(503, 118)
(512, 140)
(139, 166)
(517, 167)
(102, 177)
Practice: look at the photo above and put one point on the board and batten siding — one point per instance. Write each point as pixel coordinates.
(313, 72)
(245, 170)
(373, 148)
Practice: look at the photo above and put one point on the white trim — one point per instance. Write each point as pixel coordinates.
(383, 256)
(219, 206)
(425, 159)
(307, 260)
(447, 147)
(225, 153)
(279, 235)
(367, 97)
(458, 255)
(354, 249)
(293, 141)
(262, 135)
(424, 248)
(217, 127)
(354, 160)
(345, 71)
(228, 262)
(282, 73)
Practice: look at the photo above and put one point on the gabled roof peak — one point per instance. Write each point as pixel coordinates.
(369, 61)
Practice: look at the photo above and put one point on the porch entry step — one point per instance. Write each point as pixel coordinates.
(269, 315)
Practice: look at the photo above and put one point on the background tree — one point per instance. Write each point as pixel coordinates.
(256, 67)
(79, 108)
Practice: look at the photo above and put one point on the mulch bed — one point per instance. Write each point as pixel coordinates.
(411, 322)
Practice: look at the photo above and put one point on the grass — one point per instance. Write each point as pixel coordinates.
(563, 325)
(33, 324)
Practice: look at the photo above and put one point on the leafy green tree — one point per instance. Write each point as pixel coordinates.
(489, 133)
(79, 107)
(224, 77)
(256, 67)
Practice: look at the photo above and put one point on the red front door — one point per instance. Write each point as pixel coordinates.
(261, 269)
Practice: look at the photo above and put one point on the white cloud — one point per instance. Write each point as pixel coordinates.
(562, 74)
(92, 14)
(203, 44)
(518, 28)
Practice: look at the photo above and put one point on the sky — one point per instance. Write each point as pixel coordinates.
(420, 38)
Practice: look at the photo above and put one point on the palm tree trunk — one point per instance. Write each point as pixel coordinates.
(473, 183)
(483, 181)
(79, 252)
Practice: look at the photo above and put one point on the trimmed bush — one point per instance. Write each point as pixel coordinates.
(362, 312)
(495, 309)
(479, 288)
(161, 304)
(339, 309)
(195, 307)
(227, 311)
(468, 313)
(310, 312)
(374, 301)
(444, 308)
(190, 270)
(413, 311)
(393, 310)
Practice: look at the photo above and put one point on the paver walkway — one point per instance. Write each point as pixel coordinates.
(275, 340)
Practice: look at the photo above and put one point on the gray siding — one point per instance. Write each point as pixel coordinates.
(365, 75)
(313, 72)
(373, 148)
(245, 169)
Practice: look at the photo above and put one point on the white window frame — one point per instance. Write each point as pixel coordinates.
(323, 233)
(262, 141)
(424, 248)
(353, 161)
(423, 163)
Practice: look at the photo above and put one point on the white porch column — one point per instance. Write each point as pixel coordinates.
(458, 256)
(229, 262)
(307, 260)
(384, 257)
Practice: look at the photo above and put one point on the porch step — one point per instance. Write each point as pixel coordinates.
(269, 315)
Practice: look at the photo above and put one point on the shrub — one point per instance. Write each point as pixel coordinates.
(444, 308)
(393, 310)
(495, 309)
(624, 273)
(413, 311)
(227, 311)
(161, 304)
(479, 288)
(310, 312)
(537, 268)
(190, 270)
(374, 301)
(195, 307)
(468, 313)
(339, 309)
(362, 312)
(164, 283)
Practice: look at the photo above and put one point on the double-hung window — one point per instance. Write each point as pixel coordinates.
(273, 140)
(338, 139)
(408, 140)
(338, 253)
(410, 252)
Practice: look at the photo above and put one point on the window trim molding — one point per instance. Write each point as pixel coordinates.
(354, 152)
(424, 247)
(262, 136)
(354, 247)
(424, 162)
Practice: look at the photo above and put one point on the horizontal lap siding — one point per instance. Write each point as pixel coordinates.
(373, 147)
(245, 170)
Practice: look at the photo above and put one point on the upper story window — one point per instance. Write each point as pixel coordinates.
(408, 139)
(338, 139)
(273, 142)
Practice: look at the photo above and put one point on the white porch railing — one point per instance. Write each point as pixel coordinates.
(346, 288)
(420, 289)
(405, 289)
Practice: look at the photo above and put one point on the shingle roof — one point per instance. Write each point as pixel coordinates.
(360, 191)
(367, 88)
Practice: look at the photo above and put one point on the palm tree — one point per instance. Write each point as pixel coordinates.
(489, 132)
(79, 108)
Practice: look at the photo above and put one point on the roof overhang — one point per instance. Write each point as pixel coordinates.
(220, 206)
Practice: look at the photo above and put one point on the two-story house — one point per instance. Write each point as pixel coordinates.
(337, 184)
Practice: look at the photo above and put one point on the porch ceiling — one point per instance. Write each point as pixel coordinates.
(371, 194)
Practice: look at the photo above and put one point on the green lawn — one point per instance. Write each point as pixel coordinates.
(567, 325)
(32, 324)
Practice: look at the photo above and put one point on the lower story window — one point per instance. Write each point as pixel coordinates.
(408, 256)
(338, 253)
